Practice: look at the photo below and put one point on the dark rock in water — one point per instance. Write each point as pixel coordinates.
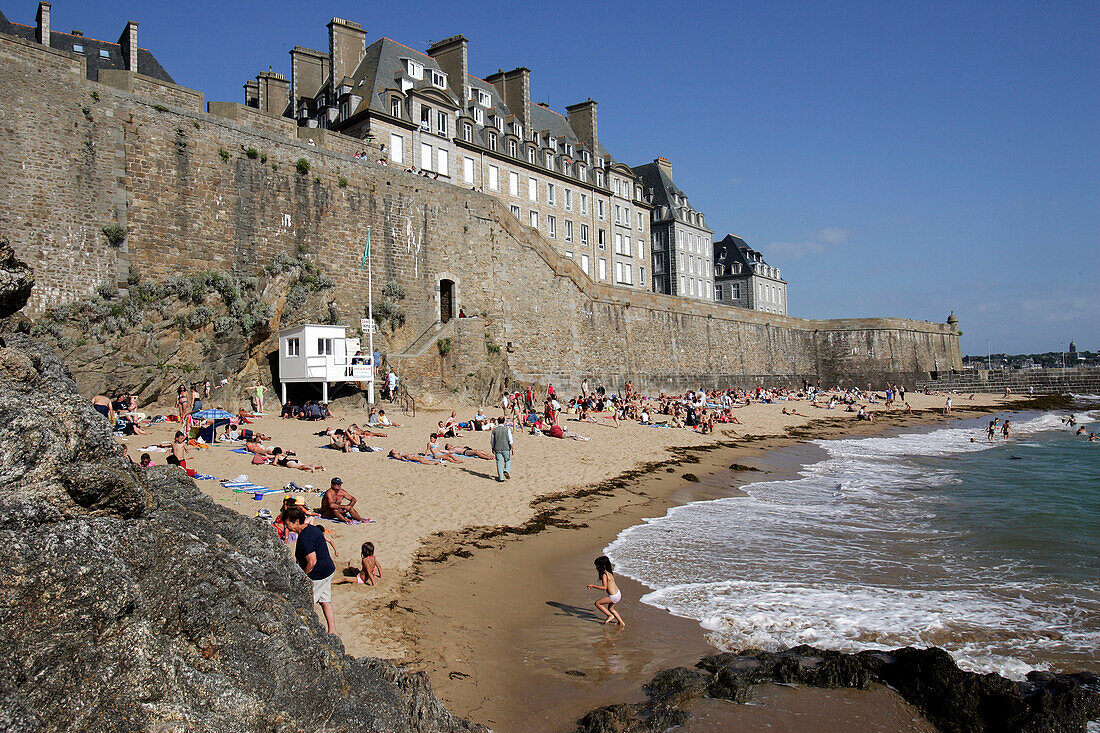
(742, 467)
(951, 699)
(131, 601)
(691, 477)
(16, 281)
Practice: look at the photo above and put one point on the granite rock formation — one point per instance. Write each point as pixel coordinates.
(131, 601)
(16, 281)
(951, 699)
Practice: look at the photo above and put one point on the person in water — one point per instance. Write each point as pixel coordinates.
(606, 605)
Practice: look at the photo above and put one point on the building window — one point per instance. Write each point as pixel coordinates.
(483, 98)
(531, 155)
(532, 189)
(568, 230)
(442, 165)
(326, 347)
(641, 250)
(601, 238)
(599, 178)
(603, 269)
(491, 139)
(550, 161)
(395, 107)
(292, 348)
(618, 214)
(515, 211)
(468, 170)
(426, 119)
(584, 235)
(619, 244)
(641, 276)
(582, 173)
(619, 272)
(566, 167)
(467, 132)
(513, 148)
(479, 115)
(416, 71)
(426, 156)
(585, 260)
(494, 178)
(534, 220)
(104, 54)
(439, 80)
(551, 194)
(568, 200)
(441, 123)
(513, 184)
(552, 226)
(601, 214)
(569, 253)
(584, 203)
(397, 148)
(77, 48)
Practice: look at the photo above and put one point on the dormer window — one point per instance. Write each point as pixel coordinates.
(531, 155)
(599, 178)
(416, 71)
(483, 98)
(517, 130)
(439, 79)
(551, 143)
(467, 132)
(599, 162)
(566, 167)
(586, 157)
(491, 140)
(479, 115)
(550, 161)
(499, 123)
(513, 148)
(104, 53)
(77, 48)
(395, 107)
(569, 150)
(582, 173)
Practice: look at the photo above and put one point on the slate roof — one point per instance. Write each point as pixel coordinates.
(382, 66)
(664, 192)
(734, 250)
(93, 51)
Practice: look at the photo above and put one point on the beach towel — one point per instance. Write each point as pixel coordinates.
(203, 477)
(240, 450)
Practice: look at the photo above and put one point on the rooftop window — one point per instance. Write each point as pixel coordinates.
(416, 71)
(77, 48)
(483, 98)
(104, 53)
(439, 79)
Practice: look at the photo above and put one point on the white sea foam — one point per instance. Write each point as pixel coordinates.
(849, 555)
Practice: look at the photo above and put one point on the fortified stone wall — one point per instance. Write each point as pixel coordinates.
(79, 155)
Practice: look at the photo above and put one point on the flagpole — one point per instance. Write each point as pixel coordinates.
(370, 321)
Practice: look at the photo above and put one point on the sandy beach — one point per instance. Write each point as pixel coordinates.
(484, 583)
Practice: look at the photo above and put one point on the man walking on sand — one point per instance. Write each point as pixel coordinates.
(311, 554)
(501, 442)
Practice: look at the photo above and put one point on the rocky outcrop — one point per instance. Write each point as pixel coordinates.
(16, 281)
(130, 601)
(951, 699)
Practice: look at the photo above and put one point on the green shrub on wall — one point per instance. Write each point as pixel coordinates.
(115, 233)
(303, 166)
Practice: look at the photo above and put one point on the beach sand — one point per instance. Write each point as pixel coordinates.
(484, 583)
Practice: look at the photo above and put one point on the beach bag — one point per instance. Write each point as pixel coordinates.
(258, 460)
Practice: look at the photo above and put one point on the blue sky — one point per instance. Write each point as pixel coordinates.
(894, 159)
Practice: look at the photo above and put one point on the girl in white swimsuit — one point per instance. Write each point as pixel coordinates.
(606, 605)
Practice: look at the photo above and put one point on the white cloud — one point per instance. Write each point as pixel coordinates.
(795, 249)
(815, 245)
(831, 235)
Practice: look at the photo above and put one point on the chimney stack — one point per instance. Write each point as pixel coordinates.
(128, 44)
(582, 118)
(664, 165)
(272, 92)
(308, 71)
(347, 44)
(451, 55)
(515, 87)
(42, 34)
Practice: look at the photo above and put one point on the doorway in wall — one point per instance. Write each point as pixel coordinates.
(446, 300)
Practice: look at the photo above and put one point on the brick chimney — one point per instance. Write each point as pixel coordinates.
(42, 34)
(515, 87)
(582, 118)
(665, 166)
(450, 54)
(128, 44)
(272, 92)
(308, 71)
(347, 43)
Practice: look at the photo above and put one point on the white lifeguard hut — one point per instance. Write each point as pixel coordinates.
(321, 355)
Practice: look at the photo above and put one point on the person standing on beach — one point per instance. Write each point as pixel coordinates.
(947, 407)
(311, 554)
(606, 605)
(1005, 430)
(500, 441)
(258, 398)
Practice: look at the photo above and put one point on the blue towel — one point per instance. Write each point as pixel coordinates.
(240, 450)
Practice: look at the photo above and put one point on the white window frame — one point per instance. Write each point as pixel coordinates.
(584, 235)
(439, 79)
(442, 163)
(513, 184)
(479, 115)
(551, 194)
(586, 263)
(468, 164)
(326, 347)
(428, 150)
(601, 210)
(533, 219)
(568, 230)
(467, 132)
(568, 199)
(603, 268)
(494, 178)
(584, 204)
(441, 123)
(532, 190)
(397, 148)
(552, 226)
(293, 347)
(515, 211)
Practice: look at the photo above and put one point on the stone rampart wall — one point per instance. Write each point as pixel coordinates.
(193, 201)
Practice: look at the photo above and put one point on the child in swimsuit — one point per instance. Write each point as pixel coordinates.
(371, 568)
(606, 605)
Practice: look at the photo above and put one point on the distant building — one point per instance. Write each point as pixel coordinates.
(742, 278)
(680, 240)
(428, 113)
(99, 55)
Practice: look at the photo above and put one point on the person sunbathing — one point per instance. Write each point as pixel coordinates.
(339, 441)
(434, 451)
(412, 458)
(447, 431)
(259, 448)
(385, 421)
(356, 430)
(557, 431)
(286, 461)
(468, 451)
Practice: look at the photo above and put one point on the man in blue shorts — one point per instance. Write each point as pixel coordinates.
(311, 553)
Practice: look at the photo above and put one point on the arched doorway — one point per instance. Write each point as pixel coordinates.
(446, 300)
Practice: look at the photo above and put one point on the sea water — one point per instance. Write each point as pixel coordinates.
(988, 550)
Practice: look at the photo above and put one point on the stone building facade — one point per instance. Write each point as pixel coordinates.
(681, 241)
(742, 278)
(428, 113)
